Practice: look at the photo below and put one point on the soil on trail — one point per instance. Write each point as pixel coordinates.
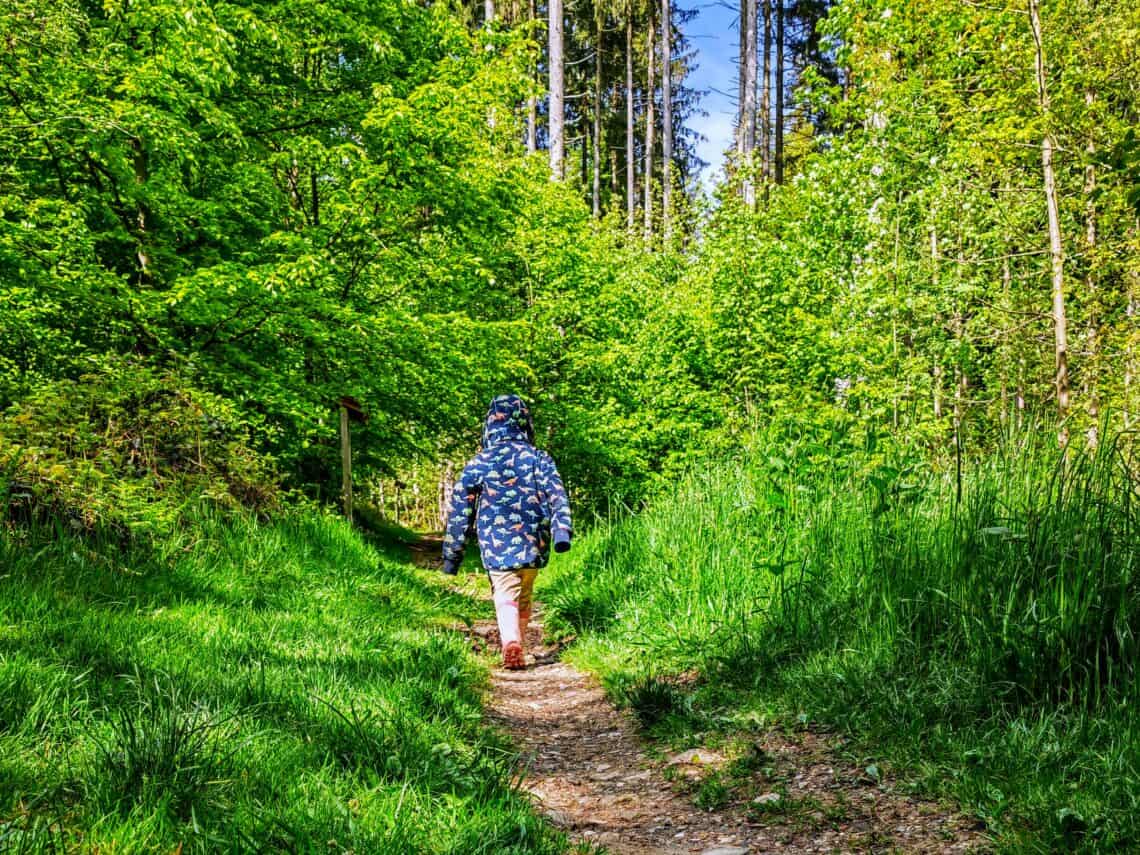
(592, 775)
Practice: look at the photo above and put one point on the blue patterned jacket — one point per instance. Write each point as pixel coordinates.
(511, 494)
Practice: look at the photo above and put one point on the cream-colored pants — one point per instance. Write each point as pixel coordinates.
(512, 591)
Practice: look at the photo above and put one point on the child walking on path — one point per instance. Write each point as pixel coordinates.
(512, 495)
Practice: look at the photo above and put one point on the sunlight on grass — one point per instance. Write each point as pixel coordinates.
(282, 686)
(989, 644)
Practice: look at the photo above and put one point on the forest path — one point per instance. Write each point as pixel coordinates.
(592, 775)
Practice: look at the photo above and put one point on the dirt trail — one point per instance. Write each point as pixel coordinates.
(592, 775)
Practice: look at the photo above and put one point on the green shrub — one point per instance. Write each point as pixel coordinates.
(126, 449)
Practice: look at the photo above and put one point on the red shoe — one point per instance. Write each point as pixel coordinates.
(513, 657)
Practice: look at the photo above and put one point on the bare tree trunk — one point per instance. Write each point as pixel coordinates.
(1004, 361)
(446, 488)
(597, 143)
(531, 105)
(557, 117)
(962, 380)
(141, 160)
(650, 121)
(766, 96)
(666, 117)
(345, 464)
(1092, 354)
(747, 140)
(1129, 351)
(895, 366)
(779, 91)
(742, 53)
(935, 275)
(630, 192)
(488, 12)
(584, 160)
(1056, 250)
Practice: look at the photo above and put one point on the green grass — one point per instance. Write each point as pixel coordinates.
(253, 687)
(986, 647)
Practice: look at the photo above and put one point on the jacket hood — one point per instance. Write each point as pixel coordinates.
(508, 419)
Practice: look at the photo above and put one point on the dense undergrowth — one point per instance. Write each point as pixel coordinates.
(981, 633)
(246, 686)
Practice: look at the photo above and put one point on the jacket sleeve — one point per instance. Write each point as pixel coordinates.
(461, 514)
(556, 503)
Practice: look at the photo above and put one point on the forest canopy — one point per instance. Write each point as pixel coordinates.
(271, 205)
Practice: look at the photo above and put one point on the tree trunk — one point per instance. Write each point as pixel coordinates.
(445, 491)
(742, 53)
(557, 117)
(747, 138)
(345, 464)
(141, 160)
(666, 117)
(1004, 361)
(630, 191)
(650, 120)
(779, 91)
(935, 274)
(766, 96)
(1130, 315)
(584, 161)
(532, 103)
(1092, 354)
(1056, 250)
(488, 12)
(962, 379)
(597, 144)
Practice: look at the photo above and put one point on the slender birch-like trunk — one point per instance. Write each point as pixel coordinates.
(766, 96)
(747, 138)
(779, 92)
(531, 103)
(557, 118)
(1131, 314)
(935, 275)
(1056, 249)
(630, 163)
(1092, 351)
(596, 190)
(1004, 361)
(650, 120)
(666, 118)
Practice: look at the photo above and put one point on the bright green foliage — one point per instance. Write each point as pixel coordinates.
(903, 274)
(291, 201)
(279, 686)
(128, 450)
(991, 641)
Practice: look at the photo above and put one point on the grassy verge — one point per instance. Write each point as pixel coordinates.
(257, 687)
(985, 643)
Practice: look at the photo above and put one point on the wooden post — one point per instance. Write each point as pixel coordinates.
(345, 463)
